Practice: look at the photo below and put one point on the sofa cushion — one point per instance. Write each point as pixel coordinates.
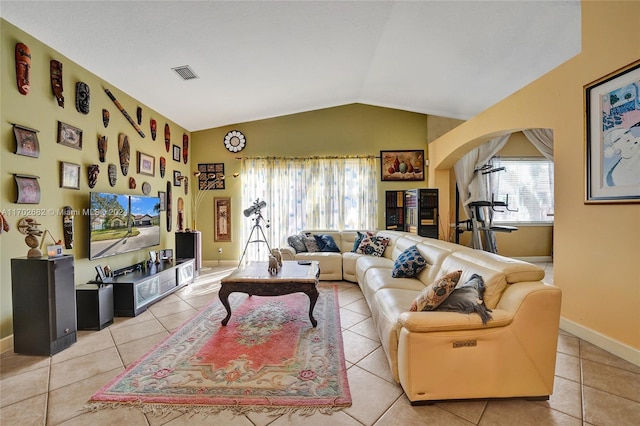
(296, 242)
(310, 243)
(358, 240)
(435, 293)
(408, 264)
(467, 299)
(372, 246)
(326, 243)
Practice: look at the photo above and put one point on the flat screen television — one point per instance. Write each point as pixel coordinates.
(122, 223)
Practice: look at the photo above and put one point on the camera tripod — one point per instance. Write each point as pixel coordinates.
(257, 228)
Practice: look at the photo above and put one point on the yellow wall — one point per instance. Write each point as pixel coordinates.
(346, 130)
(39, 110)
(596, 247)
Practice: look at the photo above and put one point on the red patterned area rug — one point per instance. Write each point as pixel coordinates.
(267, 359)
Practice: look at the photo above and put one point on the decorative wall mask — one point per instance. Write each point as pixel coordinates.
(163, 166)
(154, 127)
(123, 148)
(112, 171)
(132, 183)
(55, 69)
(139, 115)
(105, 117)
(93, 170)
(83, 97)
(103, 143)
(185, 148)
(168, 211)
(167, 137)
(23, 68)
(67, 226)
(180, 223)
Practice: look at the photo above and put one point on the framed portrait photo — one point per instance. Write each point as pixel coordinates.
(613, 137)
(69, 135)
(146, 164)
(26, 141)
(69, 175)
(407, 165)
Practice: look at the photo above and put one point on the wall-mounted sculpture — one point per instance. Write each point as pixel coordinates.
(154, 128)
(163, 166)
(112, 171)
(83, 97)
(132, 183)
(55, 69)
(105, 117)
(168, 211)
(124, 112)
(103, 143)
(185, 148)
(23, 68)
(167, 137)
(93, 171)
(124, 150)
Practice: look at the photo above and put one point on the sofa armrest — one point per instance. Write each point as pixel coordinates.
(430, 321)
(288, 253)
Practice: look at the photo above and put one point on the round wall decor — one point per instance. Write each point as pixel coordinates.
(234, 141)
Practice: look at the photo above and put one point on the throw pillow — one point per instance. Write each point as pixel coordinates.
(467, 299)
(359, 238)
(372, 246)
(408, 264)
(435, 293)
(310, 243)
(296, 242)
(326, 243)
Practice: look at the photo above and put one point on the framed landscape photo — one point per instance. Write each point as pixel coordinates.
(146, 164)
(222, 208)
(26, 141)
(28, 189)
(613, 137)
(407, 165)
(69, 175)
(69, 135)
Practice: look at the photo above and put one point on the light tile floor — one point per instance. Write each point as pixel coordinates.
(592, 387)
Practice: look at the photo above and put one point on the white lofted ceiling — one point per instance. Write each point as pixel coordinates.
(261, 59)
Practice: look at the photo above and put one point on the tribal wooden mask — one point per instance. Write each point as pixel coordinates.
(185, 148)
(163, 166)
(103, 142)
(105, 117)
(93, 170)
(55, 69)
(154, 127)
(112, 171)
(167, 137)
(123, 148)
(83, 97)
(23, 68)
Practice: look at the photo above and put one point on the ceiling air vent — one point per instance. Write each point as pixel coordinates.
(185, 72)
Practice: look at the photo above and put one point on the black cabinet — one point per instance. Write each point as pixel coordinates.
(134, 292)
(94, 306)
(44, 305)
(189, 246)
(394, 210)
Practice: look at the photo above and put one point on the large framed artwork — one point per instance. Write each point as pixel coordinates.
(210, 176)
(222, 208)
(402, 165)
(613, 137)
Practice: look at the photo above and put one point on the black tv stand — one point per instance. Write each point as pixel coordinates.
(137, 288)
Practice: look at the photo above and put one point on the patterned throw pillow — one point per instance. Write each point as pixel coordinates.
(372, 246)
(358, 240)
(435, 293)
(326, 243)
(468, 298)
(408, 264)
(310, 243)
(296, 242)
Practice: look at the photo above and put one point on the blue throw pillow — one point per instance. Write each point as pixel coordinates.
(358, 240)
(409, 263)
(326, 243)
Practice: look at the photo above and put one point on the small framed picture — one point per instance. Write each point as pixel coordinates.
(69, 135)
(176, 178)
(146, 164)
(163, 200)
(26, 141)
(69, 175)
(28, 189)
(176, 153)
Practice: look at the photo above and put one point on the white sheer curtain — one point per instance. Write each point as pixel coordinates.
(541, 139)
(308, 193)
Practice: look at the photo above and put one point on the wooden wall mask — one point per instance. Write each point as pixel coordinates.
(105, 117)
(185, 148)
(103, 143)
(83, 97)
(154, 128)
(163, 166)
(112, 171)
(168, 211)
(93, 171)
(123, 148)
(167, 137)
(55, 69)
(23, 68)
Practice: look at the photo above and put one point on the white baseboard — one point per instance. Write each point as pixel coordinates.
(6, 344)
(600, 340)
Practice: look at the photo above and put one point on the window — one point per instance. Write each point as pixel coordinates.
(311, 193)
(527, 184)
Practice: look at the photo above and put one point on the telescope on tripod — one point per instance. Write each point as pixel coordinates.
(256, 210)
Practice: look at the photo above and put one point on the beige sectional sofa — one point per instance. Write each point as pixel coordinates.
(438, 355)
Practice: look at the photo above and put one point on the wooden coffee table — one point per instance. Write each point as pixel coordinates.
(255, 279)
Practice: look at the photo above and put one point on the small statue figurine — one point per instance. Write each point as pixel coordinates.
(276, 253)
(273, 265)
